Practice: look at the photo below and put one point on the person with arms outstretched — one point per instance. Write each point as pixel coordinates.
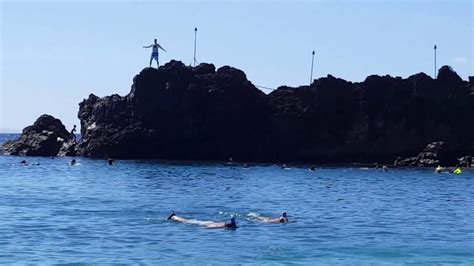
(208, 224)
(154, 53)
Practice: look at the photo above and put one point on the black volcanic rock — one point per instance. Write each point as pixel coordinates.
(447, 75)
(44, 138)
(180, 112)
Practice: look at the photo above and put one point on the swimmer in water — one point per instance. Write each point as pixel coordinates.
(439, 169)
(110, 161)
(73, 162)
(208, 224)
(271, 220)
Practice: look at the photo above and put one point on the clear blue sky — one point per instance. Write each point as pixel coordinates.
(55, 54)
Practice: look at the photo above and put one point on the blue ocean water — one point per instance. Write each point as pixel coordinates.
(96, 213)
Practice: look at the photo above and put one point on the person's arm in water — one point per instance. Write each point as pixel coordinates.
(159, 46)
(149, 46)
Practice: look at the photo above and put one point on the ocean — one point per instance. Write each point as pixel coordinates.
(94, 213)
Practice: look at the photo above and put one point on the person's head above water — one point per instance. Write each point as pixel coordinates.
(232, 224)
(284, 217)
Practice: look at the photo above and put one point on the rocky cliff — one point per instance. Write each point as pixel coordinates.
(200, 113)
(180, 112)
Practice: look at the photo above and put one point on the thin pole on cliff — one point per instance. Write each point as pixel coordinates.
(195, 37)
(312, 65)
(435, 75)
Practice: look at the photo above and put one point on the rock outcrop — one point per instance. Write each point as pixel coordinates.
(185, 113)
(44, 138)
(200, 113)
(178, 112)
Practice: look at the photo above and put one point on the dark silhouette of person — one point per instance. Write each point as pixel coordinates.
(73, 135)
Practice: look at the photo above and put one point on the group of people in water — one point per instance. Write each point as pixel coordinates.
(227, 225)
(72, 163)
(439, 170)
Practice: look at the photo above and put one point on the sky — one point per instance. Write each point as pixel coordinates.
(54, 54)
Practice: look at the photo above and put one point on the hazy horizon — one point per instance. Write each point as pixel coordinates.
(56, 54)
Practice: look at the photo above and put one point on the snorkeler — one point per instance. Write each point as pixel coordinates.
(457, 171)
(207, 224)
(271, 220)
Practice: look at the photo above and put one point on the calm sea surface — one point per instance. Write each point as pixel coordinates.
(95, 213)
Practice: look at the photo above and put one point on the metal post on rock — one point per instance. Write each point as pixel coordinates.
(312, 65)
(435, 75)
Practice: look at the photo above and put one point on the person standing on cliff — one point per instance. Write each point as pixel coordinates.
(154, 53)
(73, 135)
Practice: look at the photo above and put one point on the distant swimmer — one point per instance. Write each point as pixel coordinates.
(457, 171)
(208, 224)
(312, 168)
(272, 220)
(73, 162)
(73, 135)
(23, 162)
(439, 169)
(110, 161)
(384, 168)
(154, 53)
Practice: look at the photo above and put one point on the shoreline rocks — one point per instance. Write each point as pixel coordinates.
(44, 138)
